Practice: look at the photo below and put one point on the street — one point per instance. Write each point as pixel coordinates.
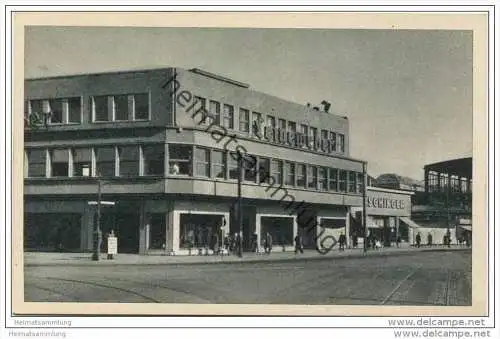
(426, 278)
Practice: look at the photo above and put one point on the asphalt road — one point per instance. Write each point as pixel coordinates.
(429, 278)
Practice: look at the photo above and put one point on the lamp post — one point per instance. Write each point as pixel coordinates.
(96, 255)
(365, 183)
(240, 212)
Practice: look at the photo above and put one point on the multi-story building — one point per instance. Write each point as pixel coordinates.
(161, 146)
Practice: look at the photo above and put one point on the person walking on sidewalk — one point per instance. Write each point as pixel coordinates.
(418, 239)
(268, 244)
(342, 241)
(298, 244)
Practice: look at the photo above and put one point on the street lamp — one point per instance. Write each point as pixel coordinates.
(240, 212)
(365, 183)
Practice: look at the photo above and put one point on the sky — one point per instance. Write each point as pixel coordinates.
(407, 94)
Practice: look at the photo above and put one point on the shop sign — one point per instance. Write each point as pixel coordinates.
(112, 245)
(375, 202)
(293, 139)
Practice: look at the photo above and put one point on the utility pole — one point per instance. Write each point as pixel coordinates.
(365, 184)
(240, 211)
(96, 255)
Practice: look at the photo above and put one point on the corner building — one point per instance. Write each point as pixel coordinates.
(163, 144)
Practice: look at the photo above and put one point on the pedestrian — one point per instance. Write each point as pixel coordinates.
(298, 244)
(342, 241)
(398, 241)
(448, 238)
(254, 242)
(429, 239)
(418, 239)
(354, 241)
(268, 246)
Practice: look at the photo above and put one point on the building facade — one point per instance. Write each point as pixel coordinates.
(162, 147)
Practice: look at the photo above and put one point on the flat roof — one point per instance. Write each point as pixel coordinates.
(378, 189)
(461, 167)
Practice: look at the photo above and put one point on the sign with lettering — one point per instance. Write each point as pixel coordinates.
(375, 202)
(112, 245)
(293, 139)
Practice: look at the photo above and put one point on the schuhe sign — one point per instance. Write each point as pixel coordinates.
(375, 202)
(293, 139)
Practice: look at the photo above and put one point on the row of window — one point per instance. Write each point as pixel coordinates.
(250, 122)
(440, 183)
(186, 160)
(104, 108)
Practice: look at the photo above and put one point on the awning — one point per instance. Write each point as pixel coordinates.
(410, 222)
(467, 228)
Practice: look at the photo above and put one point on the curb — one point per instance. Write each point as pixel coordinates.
(256, 260)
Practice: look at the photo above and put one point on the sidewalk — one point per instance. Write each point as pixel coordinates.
(84, 259)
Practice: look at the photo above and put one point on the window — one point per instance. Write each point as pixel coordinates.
(233, 166)
(282, 124)
(341, 143)
(333, 184)
(82, 162)
(305, 131)
(271, 121)
(59, 163)
(312, 177)
(36, 106)
(105, 161)
(244, 120)
(360, 183)
(313, 134)
(36, 162)
(277, 171)
(202, 158)
(342, 181)
(180, 159)
(75, 110)
(324, 134)
(256, 123)
(351, 182)
(292, 127)
(250, 168)
(301, 175)
(201, 110)
(141, 106)
(323, 178)
(264, 170)
(228, 116)
(56, 110)
(100, 108)
(215, 111)
(333, 141)
(121, 107)
(129, 161)
(154, 159)
(289, 173)
(219, 164)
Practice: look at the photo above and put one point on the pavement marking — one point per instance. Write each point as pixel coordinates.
(389, 296)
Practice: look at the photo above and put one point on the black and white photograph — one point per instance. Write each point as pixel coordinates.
(229, 169)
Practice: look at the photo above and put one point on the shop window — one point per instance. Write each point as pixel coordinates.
(199, 230)
(282, 124)
(333, 182)
(180, 159)
(333, 223)
(341, 143)
(333, 141)
(154, 159)
(105, 161)
(82, 162)
(312, 177)
(244, 120)
(289, 173)
(215, 111)
(342, 181)
(157, 231)
(122, 107)
(228, 116)
(292, 127)
(280, 229)
(233, 165)
(351, 182)
(129, 161)
(52, 232)
(219, 164)
(264, 170)
(75, 110)
(202, 158)
(250, 168)
(141, 106)
(322, 178)
(59, 163)
(37, 162)
(277, 171)
(301, 175)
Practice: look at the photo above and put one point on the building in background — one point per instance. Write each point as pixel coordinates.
(163, 145)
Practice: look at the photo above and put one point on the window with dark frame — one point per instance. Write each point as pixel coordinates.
(219, 164)
(202, 158)
(360, 182)
(264, 170)
(341, 143)
(59, 162)
(351, 182)
(333, 182)
(100, 108)
(244, 120)
(282, 124)
(141, 106)
(215, 111)
(292, 127)
(154, 159)
(312, 177)
(333, 140)
(121, 107)
(277, 171)
(36, 162)
(228, 116)
(250, 168)
(56, 110)
(322, 178)
(75, 110)
(233, 166)
(289, 173)
(129, 160)
(342, 181)
(180, 159)
(301, 175)
(82, 162)
(105, 161)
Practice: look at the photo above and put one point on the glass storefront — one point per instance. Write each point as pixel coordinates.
(199, 230)
(52, 232)
(280, 229)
